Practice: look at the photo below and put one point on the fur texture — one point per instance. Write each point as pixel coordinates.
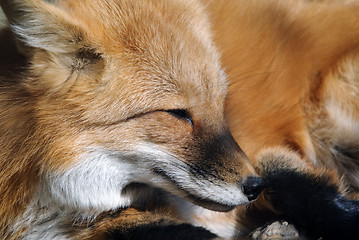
(112, 113)
(104, 102)
(293, 107)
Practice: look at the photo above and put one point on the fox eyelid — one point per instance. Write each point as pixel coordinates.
(181, 114)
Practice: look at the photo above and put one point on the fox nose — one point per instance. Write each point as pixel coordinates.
(252, 187)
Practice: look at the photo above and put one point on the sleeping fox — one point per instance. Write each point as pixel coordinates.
(105, 104)
(293, 107)
(113, 118)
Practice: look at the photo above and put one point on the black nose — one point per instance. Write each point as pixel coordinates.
(252, 187)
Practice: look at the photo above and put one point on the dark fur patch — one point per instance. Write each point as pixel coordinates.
(85, 57)
(312, 203)
(219, 150)
(88, 54)
(12, 63)
(163, 232)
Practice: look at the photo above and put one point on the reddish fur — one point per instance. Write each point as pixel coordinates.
(86, 80)
(276, 54)
(284, 60)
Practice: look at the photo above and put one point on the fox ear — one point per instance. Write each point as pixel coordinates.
(42, 25)
(66, 54)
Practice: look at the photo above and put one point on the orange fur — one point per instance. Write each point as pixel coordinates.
(292, 67)
(99, 96)
(87, 82)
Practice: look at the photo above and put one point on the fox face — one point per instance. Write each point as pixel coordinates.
(115, 93)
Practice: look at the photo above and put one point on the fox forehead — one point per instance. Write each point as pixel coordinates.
(148, 57)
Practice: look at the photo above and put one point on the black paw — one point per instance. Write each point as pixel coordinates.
(163, 232)
(312, 202)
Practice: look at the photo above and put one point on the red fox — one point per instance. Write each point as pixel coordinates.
(105, 104)
(292, 106)
(113, 118)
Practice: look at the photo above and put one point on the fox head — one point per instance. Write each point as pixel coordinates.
(127, 92)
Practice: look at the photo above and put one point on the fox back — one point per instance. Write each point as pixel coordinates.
(293, 107)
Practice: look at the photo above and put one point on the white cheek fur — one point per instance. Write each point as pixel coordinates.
(96, 182)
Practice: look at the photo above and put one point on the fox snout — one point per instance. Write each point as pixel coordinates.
(228, 156)
(214, 174)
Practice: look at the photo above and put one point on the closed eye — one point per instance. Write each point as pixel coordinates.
(181, 114)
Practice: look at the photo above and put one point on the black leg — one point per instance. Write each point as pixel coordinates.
(163, 232)
(312, 202)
